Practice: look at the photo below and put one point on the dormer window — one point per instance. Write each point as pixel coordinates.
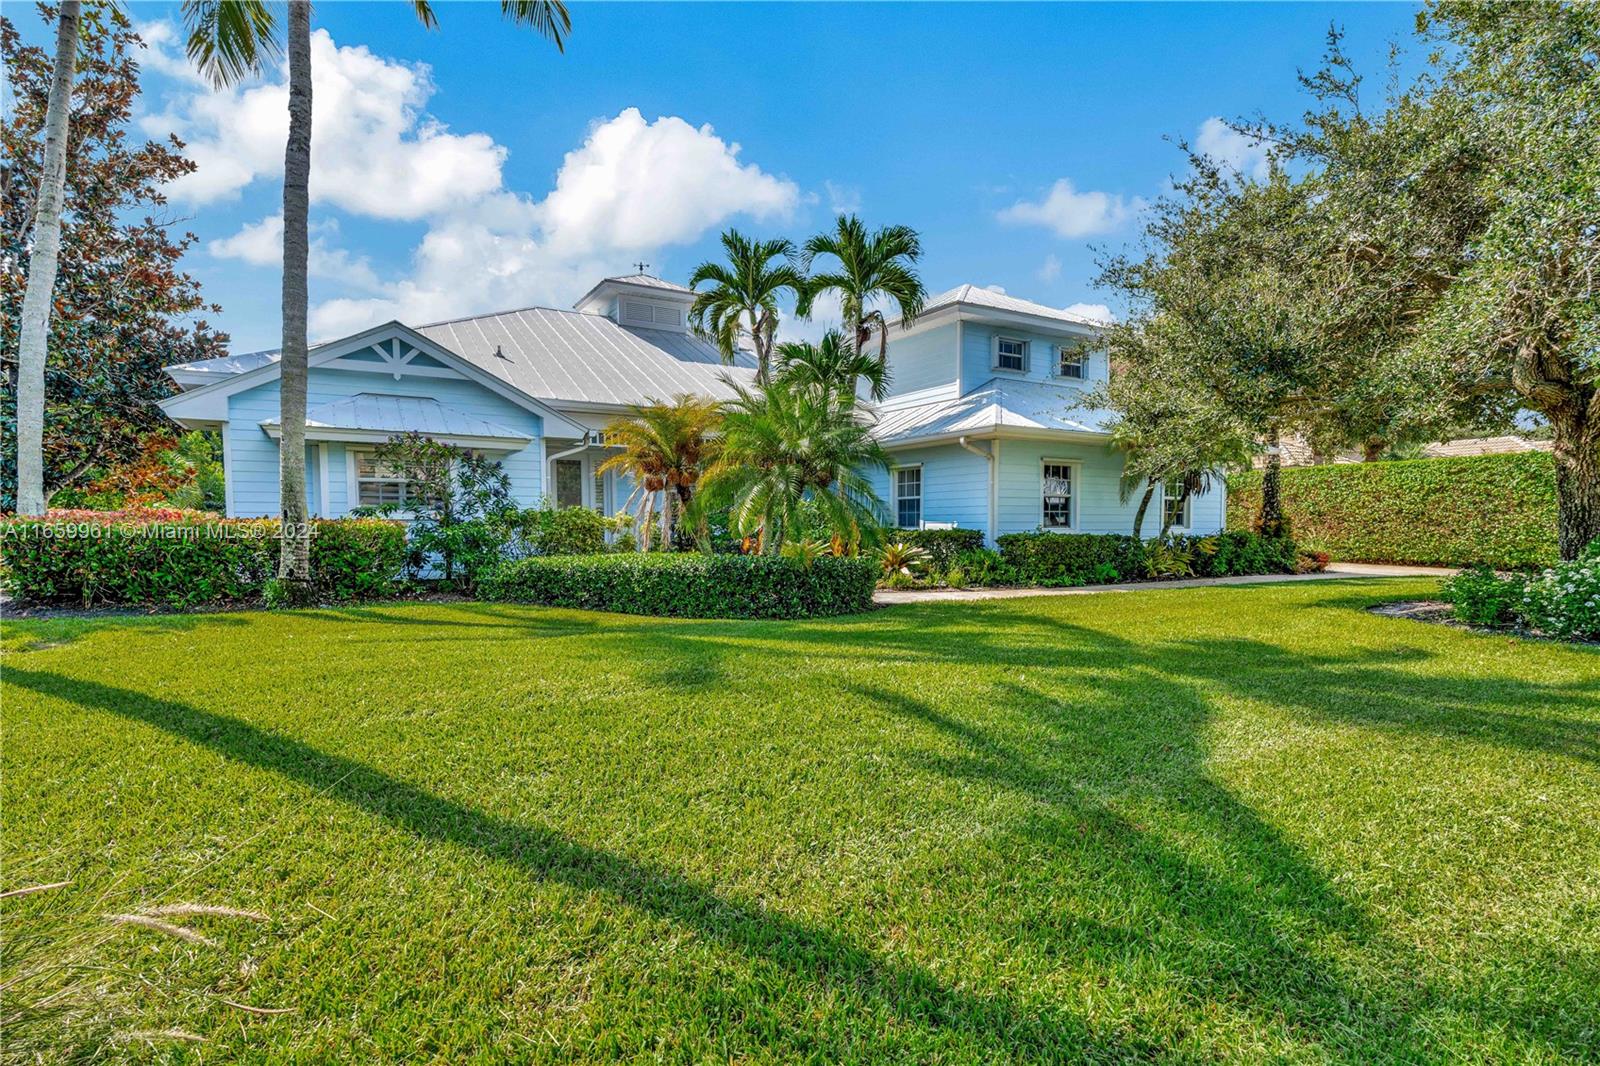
(1072, 362)
(1010, 353)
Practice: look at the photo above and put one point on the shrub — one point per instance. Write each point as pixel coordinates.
(689, 585)
(942, 545)
(1169, 557)
(1564, 601)
(571, 531)
(902, 559)
(1074, 558)
(1241, 551)
(1493, 510)
(185, 559)
(955, 577)
(1482, 597)
(985, 567)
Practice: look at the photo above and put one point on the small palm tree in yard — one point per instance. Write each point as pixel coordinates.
(666, 448)
(833, 365)
(785, 446)
(742, 299)
(871, 267)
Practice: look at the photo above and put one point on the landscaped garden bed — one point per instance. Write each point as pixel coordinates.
(1235, 824)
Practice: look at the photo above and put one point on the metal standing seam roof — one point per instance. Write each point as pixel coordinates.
(976, 296)
(573, 357)
(228, 365)
(999, 403)
(382, 413)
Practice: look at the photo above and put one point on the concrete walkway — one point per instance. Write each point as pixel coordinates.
(886, 597)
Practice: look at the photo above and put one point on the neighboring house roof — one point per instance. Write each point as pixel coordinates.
(567, 357)
(205, 371)
(562, 357)
(977, 296)
(1485, 446)
(371, 412)
(998, 406)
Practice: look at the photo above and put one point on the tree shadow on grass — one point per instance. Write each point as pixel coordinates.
(30, 633)
(916, 1000)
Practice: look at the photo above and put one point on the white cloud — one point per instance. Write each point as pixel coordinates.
(842, 199)
(374, 152)
(636, 184)
(1231, 148)
(1098, 312)
(1070, 213)
(1050, 269)
(261, 244)
(1001, 289)
(631, 188)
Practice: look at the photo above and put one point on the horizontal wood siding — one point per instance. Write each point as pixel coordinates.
(922, 360)
(1098, 508)
(955, 485)
(977, 357)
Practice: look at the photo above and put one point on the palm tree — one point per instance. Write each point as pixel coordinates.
(34, 333)
(666, 448)
(743, 298)
(832, 365)
(783, 446)
(872, 267)
(230, 40)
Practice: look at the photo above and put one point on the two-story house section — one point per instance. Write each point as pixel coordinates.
(984, 428)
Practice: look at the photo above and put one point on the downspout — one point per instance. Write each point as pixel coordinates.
(989, 456)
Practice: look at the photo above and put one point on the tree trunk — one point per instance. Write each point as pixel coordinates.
(1577, 456)
(1271, 502)
(294, 565)
(763, 350)
(1372, 449)
(666, 519)
(33, 341)
(1168, 515)
(1144, 505)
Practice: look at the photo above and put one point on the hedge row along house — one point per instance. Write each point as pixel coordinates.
(981, 422)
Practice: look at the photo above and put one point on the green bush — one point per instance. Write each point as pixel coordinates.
(571, 531)
(1493, 510)
(1071, 558)
(984, 567)
(185, 559)
(1564, 600)
(942, 545)
(1482, 597)
(689, 585)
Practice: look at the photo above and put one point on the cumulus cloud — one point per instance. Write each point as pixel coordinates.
(842, 199)
(1050, 269)
(632, 187)
(1098, 312)
(1231, 148)
(1070, 213)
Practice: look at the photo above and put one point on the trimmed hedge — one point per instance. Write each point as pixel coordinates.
(688, 585)
(942, 545)
(1493, 510)
(186, 559)
(1072, 558)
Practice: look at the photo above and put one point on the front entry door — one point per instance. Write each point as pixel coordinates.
(569, 482)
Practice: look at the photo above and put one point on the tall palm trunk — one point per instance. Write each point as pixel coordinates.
(34, 339)
(294, 564)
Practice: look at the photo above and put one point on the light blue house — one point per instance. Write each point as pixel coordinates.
(981, 422)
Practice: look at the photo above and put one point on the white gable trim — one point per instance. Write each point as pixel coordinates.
(211, 401)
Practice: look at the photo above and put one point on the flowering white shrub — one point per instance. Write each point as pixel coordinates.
(1564, 601)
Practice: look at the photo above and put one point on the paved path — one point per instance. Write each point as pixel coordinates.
(886, 597)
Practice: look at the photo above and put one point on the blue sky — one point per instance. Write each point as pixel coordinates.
(474, 168)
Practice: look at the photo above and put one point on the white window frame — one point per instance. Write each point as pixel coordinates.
(1072, 353)
(1075, 480)
(1188, 510)
(894, 491)
(994, 362)
(352, 458)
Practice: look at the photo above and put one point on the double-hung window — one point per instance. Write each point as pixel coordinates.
(377, 483)
(1010, 353)
(908, 497)
(1072, 362)
(1056, 491)
(1174, 506)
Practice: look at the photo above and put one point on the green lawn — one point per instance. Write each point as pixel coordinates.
(1246, 824)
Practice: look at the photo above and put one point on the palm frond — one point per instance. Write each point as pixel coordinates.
(547, 18)
(230, 40)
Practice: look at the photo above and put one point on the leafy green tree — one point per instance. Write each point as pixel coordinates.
(743, 295)
(665, 450)
(111, 328)
(784, 446)
(832, 365)
(1462, 219)
(871, 268)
